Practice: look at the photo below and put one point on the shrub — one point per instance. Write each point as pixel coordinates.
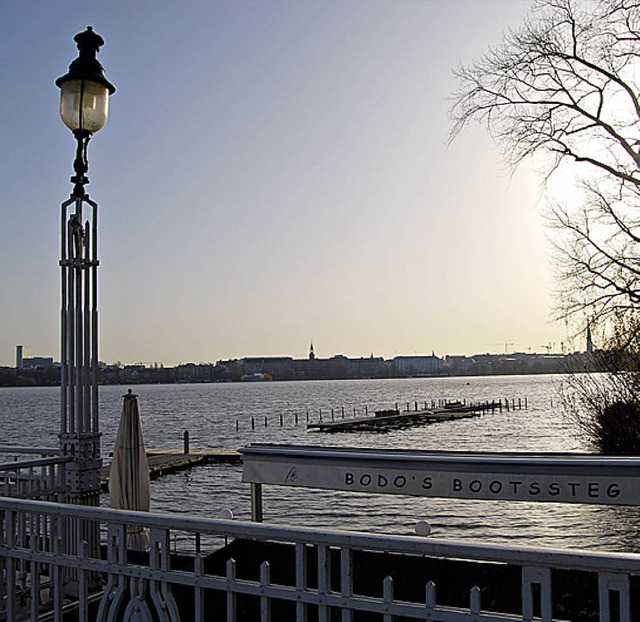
(618, 428)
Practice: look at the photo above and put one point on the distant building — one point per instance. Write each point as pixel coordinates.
(419, 365)
(192, 372)
(23, 361)
(37, 362)
(363, 367)
(272, 365)
(456, 364)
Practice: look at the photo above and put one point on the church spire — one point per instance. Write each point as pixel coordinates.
(589, 339)
(312, 354)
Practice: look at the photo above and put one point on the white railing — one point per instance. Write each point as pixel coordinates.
(287, 573)
(32, 473)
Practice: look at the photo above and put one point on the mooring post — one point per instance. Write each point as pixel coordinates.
(186, 441)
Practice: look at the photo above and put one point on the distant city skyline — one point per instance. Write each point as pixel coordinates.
(272, 173)
(23, 351)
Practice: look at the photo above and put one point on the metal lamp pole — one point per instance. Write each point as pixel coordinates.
(84, 107)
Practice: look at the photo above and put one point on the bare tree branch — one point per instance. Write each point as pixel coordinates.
(565, 86)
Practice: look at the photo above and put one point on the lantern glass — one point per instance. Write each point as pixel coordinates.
(84, 105)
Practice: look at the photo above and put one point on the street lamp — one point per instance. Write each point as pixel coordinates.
(84, 106)
(84, 100)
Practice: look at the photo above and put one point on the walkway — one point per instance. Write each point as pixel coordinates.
(163, 461)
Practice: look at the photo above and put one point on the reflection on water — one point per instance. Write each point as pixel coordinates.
(220, 416)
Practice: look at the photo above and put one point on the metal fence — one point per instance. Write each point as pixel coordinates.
(32, 473)
(268, 572)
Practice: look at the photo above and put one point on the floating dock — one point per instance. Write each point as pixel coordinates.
(162, 461)
(393, 419)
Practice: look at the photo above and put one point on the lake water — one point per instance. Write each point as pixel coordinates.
(220, 416)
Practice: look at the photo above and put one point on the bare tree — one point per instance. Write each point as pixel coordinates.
(564, 87)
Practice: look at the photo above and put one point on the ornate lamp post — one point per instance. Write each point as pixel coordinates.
(84, 105)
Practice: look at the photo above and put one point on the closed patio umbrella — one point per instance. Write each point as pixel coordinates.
(129, 485)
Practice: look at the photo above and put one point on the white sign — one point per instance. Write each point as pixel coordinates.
(480, 482)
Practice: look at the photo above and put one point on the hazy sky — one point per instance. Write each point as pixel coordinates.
(272, 172)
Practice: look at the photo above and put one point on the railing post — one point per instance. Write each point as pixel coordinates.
(199, 615)
(231, 595)
(10, 565)
(387, 597)
(256, 503)
(265, 599)
(430, 596)
(301, 580)
(346, 581)
(159, 559)
(324, 582)
(613, 582)
(541, 577)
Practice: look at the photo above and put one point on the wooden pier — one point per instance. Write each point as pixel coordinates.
(314, 416)
(393, 419)
(162, 461)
